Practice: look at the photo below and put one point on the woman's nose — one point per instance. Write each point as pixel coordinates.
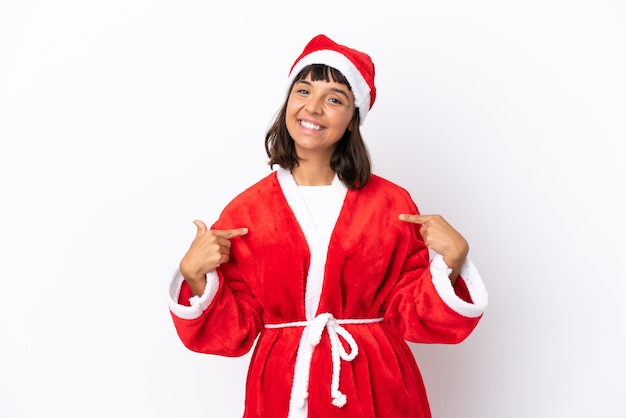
(314, 105)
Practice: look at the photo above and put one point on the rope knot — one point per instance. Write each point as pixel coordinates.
(311, 337)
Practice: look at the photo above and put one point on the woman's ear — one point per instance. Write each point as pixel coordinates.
(355, 120)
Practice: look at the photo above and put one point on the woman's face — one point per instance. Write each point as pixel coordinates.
(318, 114)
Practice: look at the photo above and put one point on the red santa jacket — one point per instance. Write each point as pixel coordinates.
(332, 305)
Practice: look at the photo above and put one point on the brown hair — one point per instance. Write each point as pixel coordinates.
(350, 160)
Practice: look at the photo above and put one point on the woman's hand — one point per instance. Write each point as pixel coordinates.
(209, 249)
(441, 237)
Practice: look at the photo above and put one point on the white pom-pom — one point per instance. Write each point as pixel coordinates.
(340, 400)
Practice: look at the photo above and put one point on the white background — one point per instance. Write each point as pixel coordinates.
(122, 121)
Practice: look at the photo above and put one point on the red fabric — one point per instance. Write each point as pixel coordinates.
(377, 266)
(461, 290)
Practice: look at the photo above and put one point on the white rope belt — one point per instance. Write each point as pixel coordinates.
(311, 336)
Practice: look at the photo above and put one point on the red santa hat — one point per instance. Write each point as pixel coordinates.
(356, 66)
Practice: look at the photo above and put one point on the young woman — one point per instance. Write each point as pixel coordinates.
(327, 264)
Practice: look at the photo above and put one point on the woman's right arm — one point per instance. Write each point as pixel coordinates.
(213, 308)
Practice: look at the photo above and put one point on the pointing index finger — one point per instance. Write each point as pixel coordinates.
(416, 219)
(230, 233)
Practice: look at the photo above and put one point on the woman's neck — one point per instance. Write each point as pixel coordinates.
(310, 174)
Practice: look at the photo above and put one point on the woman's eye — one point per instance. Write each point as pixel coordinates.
(335, 100)
(302, 91)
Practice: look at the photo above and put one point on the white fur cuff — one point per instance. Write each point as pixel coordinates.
(198, 303)
(469, 274)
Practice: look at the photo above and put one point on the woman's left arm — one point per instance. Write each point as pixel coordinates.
(439, 297)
